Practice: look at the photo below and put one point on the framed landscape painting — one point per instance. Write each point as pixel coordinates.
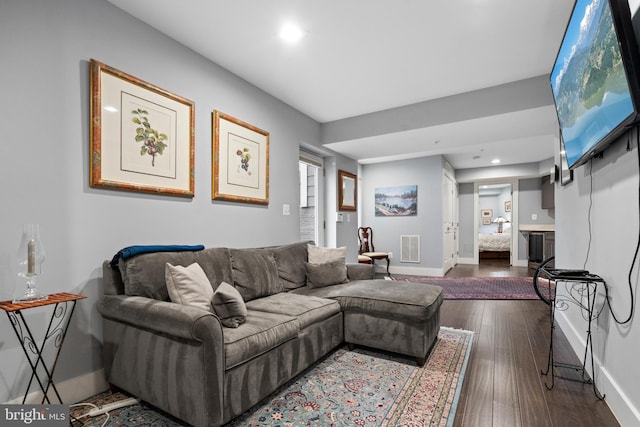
(142, 136)
(240, 161)
(396, 201)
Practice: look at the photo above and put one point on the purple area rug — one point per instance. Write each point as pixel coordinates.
(505, 288)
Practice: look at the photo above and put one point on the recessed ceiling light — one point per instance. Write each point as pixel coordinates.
(291, 33)
(495, 161)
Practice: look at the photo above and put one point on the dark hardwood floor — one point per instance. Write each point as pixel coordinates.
(503, 385)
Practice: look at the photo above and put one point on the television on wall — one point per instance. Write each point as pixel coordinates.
(595, 78)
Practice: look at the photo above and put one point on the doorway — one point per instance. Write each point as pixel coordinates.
(496, 223)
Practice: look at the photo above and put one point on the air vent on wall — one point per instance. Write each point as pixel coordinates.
(410, 248)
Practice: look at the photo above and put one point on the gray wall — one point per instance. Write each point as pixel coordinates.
(426, 173)
(587, 238)
(44, 162)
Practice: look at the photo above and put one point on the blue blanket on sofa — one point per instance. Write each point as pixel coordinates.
(131, 251)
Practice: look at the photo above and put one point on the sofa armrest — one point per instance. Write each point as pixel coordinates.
(360, 271)
(166, 354)
(176, 320)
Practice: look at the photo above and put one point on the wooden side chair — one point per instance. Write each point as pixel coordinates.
(366, 251)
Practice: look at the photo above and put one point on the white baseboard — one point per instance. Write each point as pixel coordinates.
(416, 271)
(621, 406)
(73, 390)
(516, 263)
(520, 263)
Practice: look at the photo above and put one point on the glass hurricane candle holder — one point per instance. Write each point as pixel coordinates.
(30, 258)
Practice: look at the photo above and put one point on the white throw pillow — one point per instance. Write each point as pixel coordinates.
(319, 255)
(189, 285)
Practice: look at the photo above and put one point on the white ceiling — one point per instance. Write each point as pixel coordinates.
(363, 56)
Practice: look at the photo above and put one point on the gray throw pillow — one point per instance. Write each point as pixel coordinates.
(229, 306)
(188, 285)
(326, 274)
(290, 261)
(255, 273)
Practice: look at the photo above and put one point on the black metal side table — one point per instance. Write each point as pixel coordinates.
(58, 324)
(582, 288)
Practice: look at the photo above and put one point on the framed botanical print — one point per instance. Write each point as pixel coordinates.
(240, 161)
(142, 136)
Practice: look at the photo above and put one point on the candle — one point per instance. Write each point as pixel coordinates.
(31, 258)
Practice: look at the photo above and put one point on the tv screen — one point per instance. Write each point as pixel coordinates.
(594, 79)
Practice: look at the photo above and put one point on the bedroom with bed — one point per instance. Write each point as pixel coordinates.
(495, 245)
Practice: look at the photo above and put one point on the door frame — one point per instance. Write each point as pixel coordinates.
(454, 203)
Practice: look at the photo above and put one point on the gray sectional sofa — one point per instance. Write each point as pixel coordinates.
(182, 359)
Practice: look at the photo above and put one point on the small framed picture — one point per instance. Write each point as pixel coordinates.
(486, 213)
(240, 161)
(486, 221)
(507, 206)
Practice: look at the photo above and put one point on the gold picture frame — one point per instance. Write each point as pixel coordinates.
(347, 191)
(507, 206)
(240, 161)
(486, 221)
(142, 136)
(486, 213)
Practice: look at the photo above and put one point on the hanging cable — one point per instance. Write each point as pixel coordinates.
(635, 255)
(584, 265)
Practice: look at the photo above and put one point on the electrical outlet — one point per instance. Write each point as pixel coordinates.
(534, 217)
(390, 255)
(286, 209)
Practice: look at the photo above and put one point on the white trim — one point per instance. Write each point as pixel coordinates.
(416, 271)
(467, 261)
(72, 390)
(311, 159)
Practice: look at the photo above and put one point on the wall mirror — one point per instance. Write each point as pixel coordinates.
(347, 184)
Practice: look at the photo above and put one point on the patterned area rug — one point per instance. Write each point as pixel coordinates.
(360, 387)
(479, 287)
